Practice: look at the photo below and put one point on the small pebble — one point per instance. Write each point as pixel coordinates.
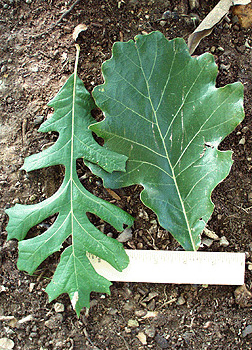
(243, 296)
(9, 100)
(125, 236)
(249, 266)
(133, 323)
(32, 198)
(250, 197)
(112, 311)
(6, 344)
(194, 4)
(225, 67)
(242, 141)
(224, 242)
(13, 322)
(247, 45)
(152, 304)
(3, 289)
(33, 334)
(31, 286)
(207, 242)
(127, 330)
(247, 330)
(166, 15)
(142, 338)
(54, 321)
(34, 69)
(64, 56)
(150, 331)
(3, 69)
(140, 313)
(150, 296)
(142, 214)
(38, 120)
(59, 307)
(128, 306)
(161, 341)
(150, 314)
(162, 23)
(207, 325)
(15, 200)
(245, 129)
(181, 300)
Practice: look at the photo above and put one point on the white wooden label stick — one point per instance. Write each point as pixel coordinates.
(177, 267)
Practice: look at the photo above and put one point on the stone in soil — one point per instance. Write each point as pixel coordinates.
(6, 344)
(181, 300)
(54, 321)
(150, 296)
(161, 341)
(59, 307)
(133, 323)
(128, 306)
(247, 330)
(150, 331)
(243, 296)
(140, 313)
(224, 242)
(142, 338)
(125, 236)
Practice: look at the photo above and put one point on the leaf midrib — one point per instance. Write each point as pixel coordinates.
(73, 165)
(163, 141)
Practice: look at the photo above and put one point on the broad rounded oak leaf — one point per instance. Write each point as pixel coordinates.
(163, 111)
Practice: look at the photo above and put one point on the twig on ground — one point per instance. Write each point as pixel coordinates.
(58, 22)
(125, 342)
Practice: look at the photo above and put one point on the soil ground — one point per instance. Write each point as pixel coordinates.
(33, 68)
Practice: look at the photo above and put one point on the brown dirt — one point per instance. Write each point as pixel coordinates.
(33, 68)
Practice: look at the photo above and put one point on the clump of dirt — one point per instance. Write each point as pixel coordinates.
(136, 315)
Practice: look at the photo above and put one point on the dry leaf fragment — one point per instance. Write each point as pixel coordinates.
(78, 29)
(211, 234)
(215, 16)
(244, 14)
(113, 194)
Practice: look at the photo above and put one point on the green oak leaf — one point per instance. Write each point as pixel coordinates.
(74, 274)
(163, 111)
